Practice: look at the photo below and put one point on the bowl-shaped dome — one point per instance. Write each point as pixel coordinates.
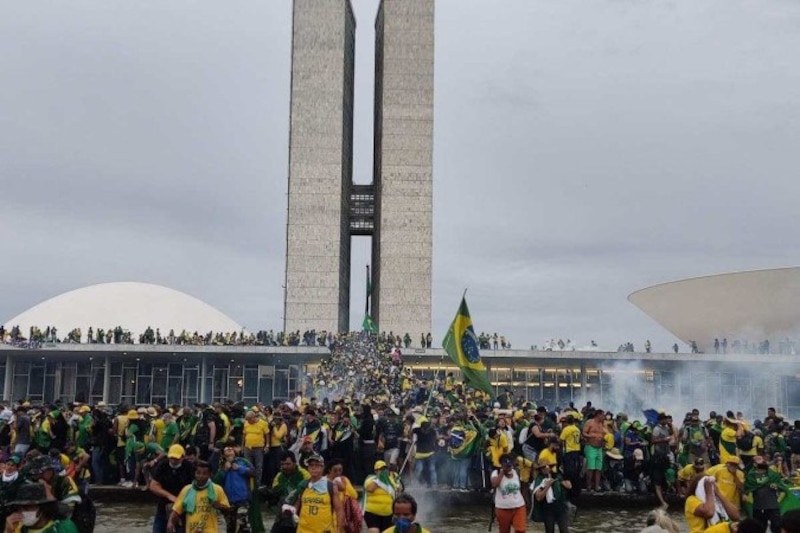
(133, 306)
(753, 306)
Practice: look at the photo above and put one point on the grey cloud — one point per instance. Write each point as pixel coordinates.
(581, 152)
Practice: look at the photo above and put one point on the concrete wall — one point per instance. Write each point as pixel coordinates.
(320, 166)
(403, 172)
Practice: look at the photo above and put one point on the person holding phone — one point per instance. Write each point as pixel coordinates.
(508, 500)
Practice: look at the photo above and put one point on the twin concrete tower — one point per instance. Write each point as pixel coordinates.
(325, 208)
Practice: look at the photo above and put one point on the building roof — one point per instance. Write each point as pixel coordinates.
(753, 306)
(133, 306)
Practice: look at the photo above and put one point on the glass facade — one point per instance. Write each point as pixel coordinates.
(618, 385)
(137, 382)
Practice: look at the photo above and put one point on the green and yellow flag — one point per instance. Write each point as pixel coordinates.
(461, 344)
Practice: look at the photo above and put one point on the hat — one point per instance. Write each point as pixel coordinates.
(133, 415)
(732, 459)
(176, 451)
(315, 459)
(55, 413)
(102, 405)
(14, 459)
(379, 465)
(38, 465)
(31, 494)
(614, 454)
(151, 411)
(422, 419)
(544, 463)
(84, 409)
(142, 410)
(638, 455)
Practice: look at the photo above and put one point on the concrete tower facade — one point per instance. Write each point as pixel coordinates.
(403, 173)
(317, 287)
(325, 208)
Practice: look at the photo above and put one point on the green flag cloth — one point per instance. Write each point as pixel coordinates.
(461, 344)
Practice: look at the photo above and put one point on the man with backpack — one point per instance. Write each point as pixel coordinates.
(793, 443)
(317, 503)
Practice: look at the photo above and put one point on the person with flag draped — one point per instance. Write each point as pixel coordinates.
(380, 490)
(199, 503)
(464, 441)
(461, 344)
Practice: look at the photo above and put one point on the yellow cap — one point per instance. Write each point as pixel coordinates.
(380, 464)
(176, 451)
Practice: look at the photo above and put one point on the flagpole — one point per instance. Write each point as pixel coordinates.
(369, 289)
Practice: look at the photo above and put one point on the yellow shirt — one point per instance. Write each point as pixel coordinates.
(379, 501)
(497, 447)
(608, 441)
(727, 444)
(316, 513)
(726, 482)
(688, 472)
(277, 435)
(255, 434)
(226, 427)
(758, 444)
(349, 490)
(122, 425)
(524, 467)
(204, 517)
(697, 524)
(571, 437)
(158, 430)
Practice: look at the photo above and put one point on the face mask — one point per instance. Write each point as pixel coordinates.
(402, 524)
(10, 477)
(175, 466)
(29, 518)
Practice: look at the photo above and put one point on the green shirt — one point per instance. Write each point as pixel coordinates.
(170, 432)
(84, 430)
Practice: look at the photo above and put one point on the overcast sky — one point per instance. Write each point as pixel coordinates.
(582, 151)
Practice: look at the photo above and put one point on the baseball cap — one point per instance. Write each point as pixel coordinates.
(379, 465)
(176, 451)
(315, 459)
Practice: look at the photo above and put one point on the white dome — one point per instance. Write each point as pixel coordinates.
(134, 306)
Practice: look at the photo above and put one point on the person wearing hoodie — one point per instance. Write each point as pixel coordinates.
(233, 475)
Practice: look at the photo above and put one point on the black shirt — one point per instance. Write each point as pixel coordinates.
(171, 479)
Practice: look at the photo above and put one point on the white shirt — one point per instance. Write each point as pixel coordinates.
(508, 494)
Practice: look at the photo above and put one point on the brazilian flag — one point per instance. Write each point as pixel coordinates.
(471, 443)
(461, 344)
(368, 325)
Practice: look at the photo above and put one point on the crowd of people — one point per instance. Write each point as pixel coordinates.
(366, 419)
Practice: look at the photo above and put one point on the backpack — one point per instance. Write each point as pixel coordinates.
(745, 442)
(353, 516)
(794, 441)
(770, 445)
